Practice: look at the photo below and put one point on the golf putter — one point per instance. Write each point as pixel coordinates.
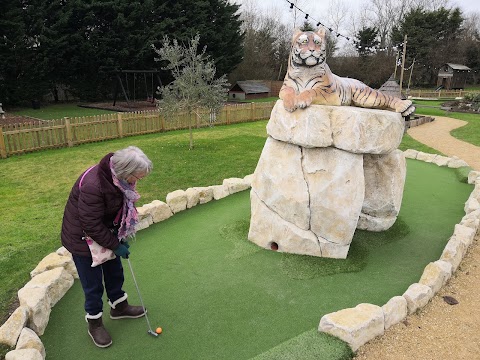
(150, 331)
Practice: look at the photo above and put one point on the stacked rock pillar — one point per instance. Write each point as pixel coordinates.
(323, 172)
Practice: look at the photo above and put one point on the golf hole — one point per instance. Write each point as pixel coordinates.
(274, 246)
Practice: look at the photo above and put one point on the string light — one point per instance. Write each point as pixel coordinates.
(292, 5)
(355, 40)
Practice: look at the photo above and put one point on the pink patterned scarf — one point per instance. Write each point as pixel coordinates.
(129, 212)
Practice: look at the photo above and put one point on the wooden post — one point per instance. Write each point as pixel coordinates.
(120, 125)
(69, 132)
(228, 115)
(252, 107)
(396, 66)
(162, 119)
(403, 62)
(3, 149)
(410, 78)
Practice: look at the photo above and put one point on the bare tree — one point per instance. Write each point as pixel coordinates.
(266, 45)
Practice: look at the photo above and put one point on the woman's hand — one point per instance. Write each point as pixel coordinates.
(122, 251)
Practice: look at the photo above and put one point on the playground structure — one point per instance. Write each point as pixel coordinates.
(132, 86)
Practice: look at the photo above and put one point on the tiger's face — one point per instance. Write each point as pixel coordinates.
(308, 48)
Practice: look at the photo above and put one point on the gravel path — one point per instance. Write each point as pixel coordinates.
(439, 330)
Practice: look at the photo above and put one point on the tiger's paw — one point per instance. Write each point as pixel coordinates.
(405, 107)
(289, 104)
(304, 100)
(408, 111)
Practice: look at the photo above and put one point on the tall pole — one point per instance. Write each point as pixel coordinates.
(403, 62)
(396, 66)
(410, 78)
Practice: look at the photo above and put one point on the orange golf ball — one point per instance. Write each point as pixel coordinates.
(159, 330)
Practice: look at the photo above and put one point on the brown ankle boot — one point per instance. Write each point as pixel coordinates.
(125, 311)
(98, 333)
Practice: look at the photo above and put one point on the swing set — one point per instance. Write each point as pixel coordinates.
(133, 88)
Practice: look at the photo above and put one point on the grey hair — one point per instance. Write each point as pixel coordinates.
(130, 160)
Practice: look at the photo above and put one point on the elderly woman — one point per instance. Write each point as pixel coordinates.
(99, 218)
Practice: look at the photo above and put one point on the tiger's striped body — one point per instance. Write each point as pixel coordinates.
(309, 80)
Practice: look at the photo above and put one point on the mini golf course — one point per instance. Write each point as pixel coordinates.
(218, 296)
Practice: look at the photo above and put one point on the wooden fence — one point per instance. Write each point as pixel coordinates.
(39, 135)
(439, 94)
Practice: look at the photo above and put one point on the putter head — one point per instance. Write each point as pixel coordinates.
(153, 333)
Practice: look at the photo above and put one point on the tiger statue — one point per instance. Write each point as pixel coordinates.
(309, 80)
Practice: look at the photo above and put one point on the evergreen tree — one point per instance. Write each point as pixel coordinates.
(367, 40)
(21, 68)
(78, 43)
(432, 39)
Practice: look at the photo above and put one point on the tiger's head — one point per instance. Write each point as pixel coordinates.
(308, 48)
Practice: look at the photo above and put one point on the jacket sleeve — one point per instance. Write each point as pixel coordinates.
(91, 210)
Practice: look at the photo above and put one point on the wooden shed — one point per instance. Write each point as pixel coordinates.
(453, 76)
(245, 90)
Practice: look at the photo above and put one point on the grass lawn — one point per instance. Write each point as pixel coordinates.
(59, 111)
(35, 187)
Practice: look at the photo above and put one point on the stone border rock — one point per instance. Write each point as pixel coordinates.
(55, 273)
(417, 121)
(356, 326)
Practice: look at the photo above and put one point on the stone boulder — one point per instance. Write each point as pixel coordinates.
(394, 311)
(326, 170)
(11, 329)
(41, 293)
(356, 326)
(24, 354)
(417, 296)
(205, 194)
(219, 191)
(29, 340)
(54, 260)
(385, 176)
(235, 185)
(436, 274)
(177, 200)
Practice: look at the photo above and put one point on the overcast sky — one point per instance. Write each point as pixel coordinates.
(317, 9)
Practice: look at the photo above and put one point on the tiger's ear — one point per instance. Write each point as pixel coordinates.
(296, 32)
(321, 32)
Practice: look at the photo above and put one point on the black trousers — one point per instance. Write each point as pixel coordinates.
(93, 279)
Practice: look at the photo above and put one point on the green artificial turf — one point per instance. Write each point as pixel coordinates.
(218, 296)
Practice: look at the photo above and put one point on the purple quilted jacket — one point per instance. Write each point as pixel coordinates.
(92, 210)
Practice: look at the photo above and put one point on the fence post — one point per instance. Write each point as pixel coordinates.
(120, 124)
(197, 118)
(252, 108)
(227, 120)
(3, 149)
(162, 119)
(69, 132)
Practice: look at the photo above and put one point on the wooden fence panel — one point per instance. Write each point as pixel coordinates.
(39, 135)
